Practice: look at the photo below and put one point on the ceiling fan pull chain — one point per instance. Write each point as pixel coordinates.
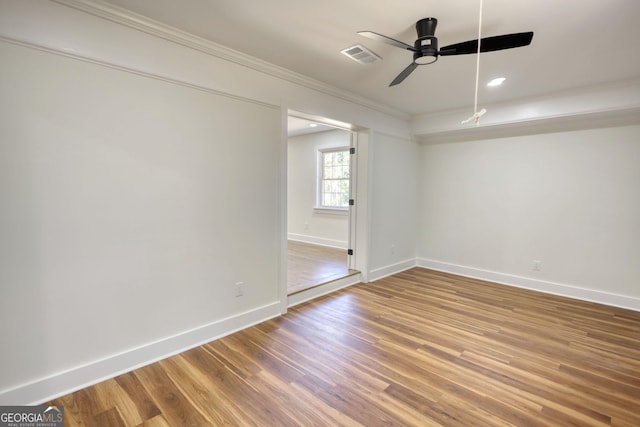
(477, 114)
(475, 105)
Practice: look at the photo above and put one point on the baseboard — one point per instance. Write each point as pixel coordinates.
(616, 300)
(340, 244)
(380, 273)
(60, 384)
(327, 288)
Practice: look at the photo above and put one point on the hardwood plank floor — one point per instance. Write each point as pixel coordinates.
(312, 265)
(420, 348)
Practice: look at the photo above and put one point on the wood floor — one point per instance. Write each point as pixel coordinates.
(312, 265)
(420, 348)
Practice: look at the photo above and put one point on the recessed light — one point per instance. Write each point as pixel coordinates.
(313, 125)
(497, 81)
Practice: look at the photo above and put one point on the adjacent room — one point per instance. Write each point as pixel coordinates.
(281, 213)
(319, 182)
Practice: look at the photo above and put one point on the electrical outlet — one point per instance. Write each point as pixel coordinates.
(536, 265)
(239, 289)
(393, 249)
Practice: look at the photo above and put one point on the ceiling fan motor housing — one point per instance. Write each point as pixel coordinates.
(426, 46)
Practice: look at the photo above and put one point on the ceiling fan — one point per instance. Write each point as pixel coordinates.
(425, 49)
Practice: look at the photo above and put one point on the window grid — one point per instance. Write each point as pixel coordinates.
(334, 179)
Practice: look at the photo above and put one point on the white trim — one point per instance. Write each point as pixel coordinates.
(331, 211)
(284, 178)
(320, 241)
(130, 19)
(616, 300)
(389, 270)
(79, 377)
(362, 247)
(327, 288)
(129, 70)
(611, 104)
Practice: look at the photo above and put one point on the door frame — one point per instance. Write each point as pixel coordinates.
(358, 189)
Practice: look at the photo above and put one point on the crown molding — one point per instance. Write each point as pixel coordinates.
(538, 125)
(607, 105)
(141, 23)
(130, 70)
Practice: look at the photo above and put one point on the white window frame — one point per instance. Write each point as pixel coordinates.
(320, 208)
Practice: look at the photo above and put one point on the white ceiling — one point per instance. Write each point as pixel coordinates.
(576, 43)
(298, 126)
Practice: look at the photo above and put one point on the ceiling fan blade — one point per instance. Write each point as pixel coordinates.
(404, 74)
(389, 40)
(488, 44)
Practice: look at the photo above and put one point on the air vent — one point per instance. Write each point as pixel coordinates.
(360, 54)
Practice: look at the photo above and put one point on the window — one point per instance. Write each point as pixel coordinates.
(333, 178)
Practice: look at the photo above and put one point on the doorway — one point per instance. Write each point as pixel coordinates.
(320, 185)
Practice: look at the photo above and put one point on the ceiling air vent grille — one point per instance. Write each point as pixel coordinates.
(360, 54)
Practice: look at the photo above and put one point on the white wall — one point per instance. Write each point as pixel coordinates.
(570, 200)
(393, 181)
(128, 211)
(304, 223)
(132, 193)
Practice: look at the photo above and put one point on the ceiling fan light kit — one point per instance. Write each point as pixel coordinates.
(426, 46)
